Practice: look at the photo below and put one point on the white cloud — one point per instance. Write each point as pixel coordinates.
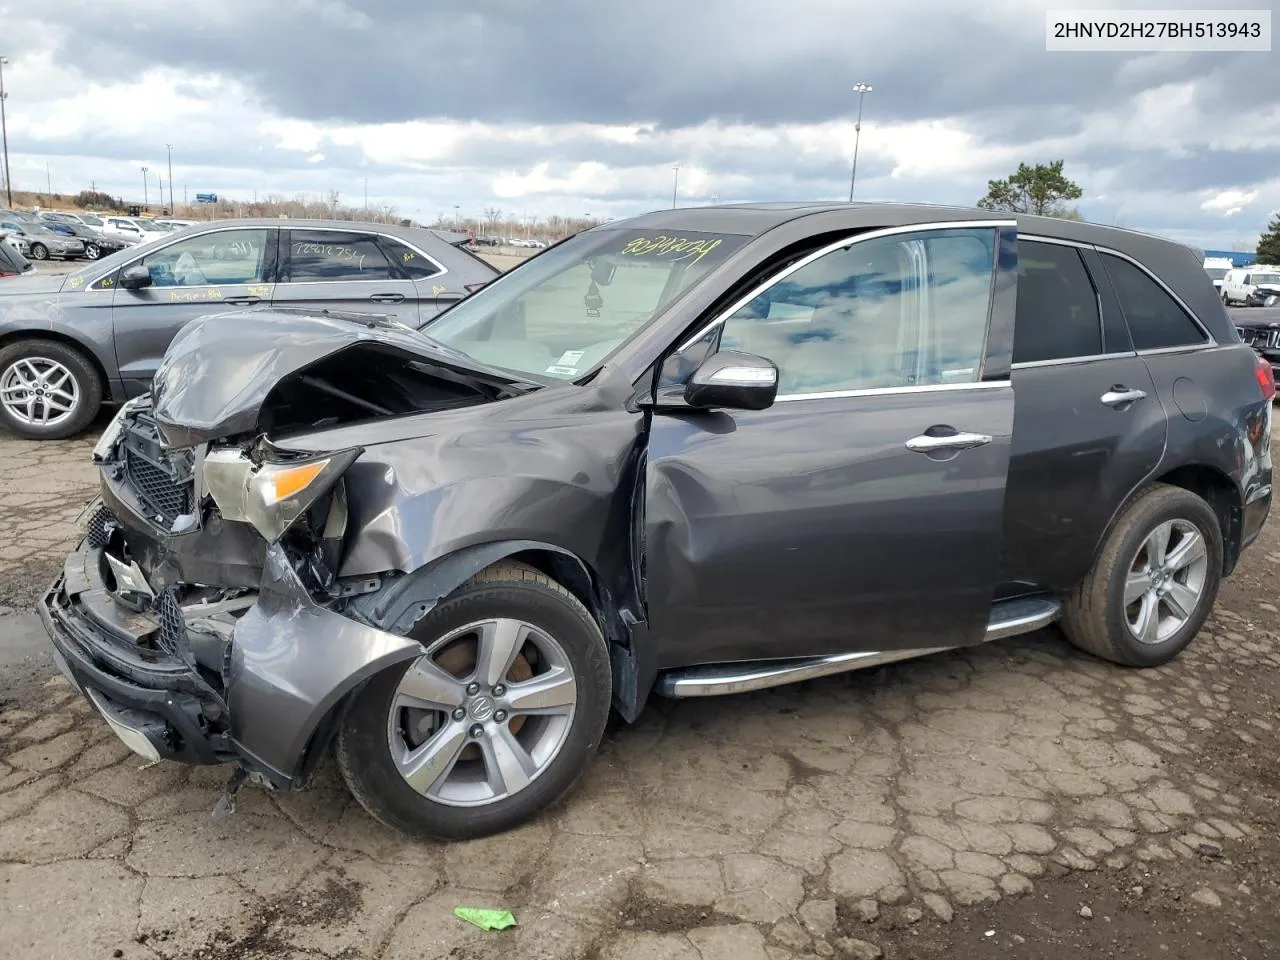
(1228, 202)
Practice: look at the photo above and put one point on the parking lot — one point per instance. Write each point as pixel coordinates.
(1018, 799)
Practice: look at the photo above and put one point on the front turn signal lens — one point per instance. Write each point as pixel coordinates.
(283, 483)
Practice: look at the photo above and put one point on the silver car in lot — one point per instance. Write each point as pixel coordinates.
(41, 242)
(70, 343)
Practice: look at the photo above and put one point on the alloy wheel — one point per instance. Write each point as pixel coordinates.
(39, 391)
(1166, 581)
(482, 713)
(39, 251)
(92, 251)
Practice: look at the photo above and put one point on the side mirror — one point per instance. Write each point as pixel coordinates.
(135, 277)
(737, 381)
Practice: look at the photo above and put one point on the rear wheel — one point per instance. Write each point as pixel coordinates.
(496, 721)
(1154, 583)
(92, 251)
(39, 251)
(48, 390)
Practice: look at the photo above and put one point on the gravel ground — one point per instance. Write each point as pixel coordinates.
(1015, 800)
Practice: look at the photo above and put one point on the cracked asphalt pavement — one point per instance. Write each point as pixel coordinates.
(1017, 799)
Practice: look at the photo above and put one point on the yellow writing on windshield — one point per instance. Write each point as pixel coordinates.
(687, 247)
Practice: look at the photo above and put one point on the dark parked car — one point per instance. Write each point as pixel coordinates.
(1261, 330)
(100, 332)
(96, 244)
(698, 452)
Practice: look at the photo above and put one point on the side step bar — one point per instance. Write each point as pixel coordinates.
(1008, 619)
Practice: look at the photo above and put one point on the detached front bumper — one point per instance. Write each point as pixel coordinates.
(287, 664)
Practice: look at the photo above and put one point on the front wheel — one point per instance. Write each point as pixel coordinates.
(39, 251)
(495, 722)
(92, 251)
(1154, 583)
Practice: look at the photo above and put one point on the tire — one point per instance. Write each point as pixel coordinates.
(372, 727)
(39, 251)
(92, 251)
(17, 363)
(1095, 616)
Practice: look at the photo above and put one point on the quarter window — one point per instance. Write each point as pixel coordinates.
(324, 255)
(1057, 316)
(209, 259)
(408, 261)
(1155, 319)
(897, 311)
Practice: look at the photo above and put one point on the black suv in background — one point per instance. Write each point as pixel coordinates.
(697, 452)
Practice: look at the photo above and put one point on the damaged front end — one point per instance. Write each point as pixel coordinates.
(203, 614)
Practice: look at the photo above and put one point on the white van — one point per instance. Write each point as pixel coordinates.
(1216, 268)
(1255, 286)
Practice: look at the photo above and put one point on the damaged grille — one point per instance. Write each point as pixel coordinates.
(161, 483)
(172, 637)
(98, 532)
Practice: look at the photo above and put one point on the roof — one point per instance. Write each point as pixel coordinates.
(752, 219)
(300, 223)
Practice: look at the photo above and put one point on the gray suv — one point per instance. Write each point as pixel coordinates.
(699, 452)
(69, 343)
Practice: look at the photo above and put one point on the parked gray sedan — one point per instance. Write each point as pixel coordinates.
(70, 343)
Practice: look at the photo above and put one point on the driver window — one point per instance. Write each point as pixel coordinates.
(898, 311)
(226, 257)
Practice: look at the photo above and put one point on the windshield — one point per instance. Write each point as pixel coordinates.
(1270, 279)
(90, 219)
(562, 313)
(149, 226)
(37, 229)
(1216, 273)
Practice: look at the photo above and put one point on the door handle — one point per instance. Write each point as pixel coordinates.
(956, 441)
(1118, 396)
(241, 301)
(387, 297)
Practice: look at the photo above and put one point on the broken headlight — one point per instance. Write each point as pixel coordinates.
(271, 494)
(105, 447)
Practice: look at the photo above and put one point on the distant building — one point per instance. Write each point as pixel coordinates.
(1236, 257)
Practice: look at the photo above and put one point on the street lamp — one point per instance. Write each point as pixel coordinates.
(675, 185)
(861, 89)
(4, 132)
(172, 211)
(144, 188)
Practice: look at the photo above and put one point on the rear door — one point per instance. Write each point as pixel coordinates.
(1089, 425)
(206, 273)
(346, 270)
(862, 511)
(436, 286)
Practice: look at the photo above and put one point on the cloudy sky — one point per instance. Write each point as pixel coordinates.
(584, 106)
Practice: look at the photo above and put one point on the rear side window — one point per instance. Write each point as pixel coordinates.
(410, 263)
(325, 255)
(1155, 319)
(1057, 316)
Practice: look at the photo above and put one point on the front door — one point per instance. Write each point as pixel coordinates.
(346, 270)
(862, 511)
(208, 273)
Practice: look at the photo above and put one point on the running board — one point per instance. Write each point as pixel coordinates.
(1008, 619)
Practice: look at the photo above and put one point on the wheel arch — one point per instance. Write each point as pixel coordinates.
(408, 598)
(1212, 486)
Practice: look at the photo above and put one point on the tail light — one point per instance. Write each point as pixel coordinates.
(1266, 378)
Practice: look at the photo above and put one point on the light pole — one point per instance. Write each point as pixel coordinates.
(457, 221)
(172, 211)
(861, 89)
(4, 132)
(48, 181)
(366, 198)
(144, 188)
(675, 185)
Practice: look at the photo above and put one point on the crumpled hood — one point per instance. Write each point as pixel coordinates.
(40, 285)
(220, 368)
